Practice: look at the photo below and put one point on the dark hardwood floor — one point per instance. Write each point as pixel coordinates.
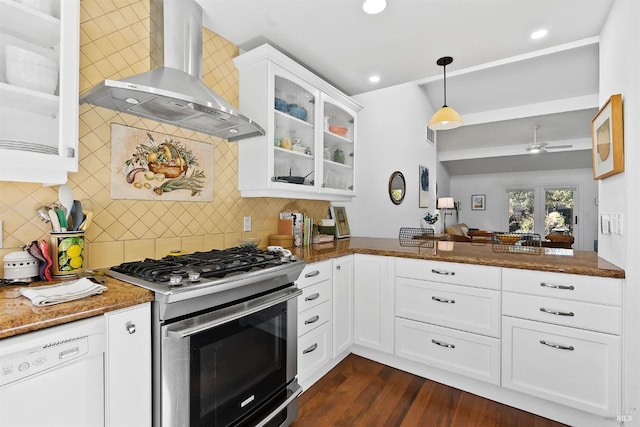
(360, 392)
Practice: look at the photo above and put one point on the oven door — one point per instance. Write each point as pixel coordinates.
(233, 365)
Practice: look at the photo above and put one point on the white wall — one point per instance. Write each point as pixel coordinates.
(620, 73)
(495, 185)
(391, 136)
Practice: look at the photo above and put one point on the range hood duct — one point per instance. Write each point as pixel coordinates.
(174, 92)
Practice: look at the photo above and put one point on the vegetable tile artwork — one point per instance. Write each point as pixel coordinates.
(149, 165)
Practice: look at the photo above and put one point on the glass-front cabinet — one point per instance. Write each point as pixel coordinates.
(39, 49)
(308, 148)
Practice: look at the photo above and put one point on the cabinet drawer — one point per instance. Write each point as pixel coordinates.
(314, 273)
(314, 317)
(463, 353)
(599, 290)
(460, 307)
(314, 295)
(314, 350)
(595, 317)
(479, 276)
(568, 366)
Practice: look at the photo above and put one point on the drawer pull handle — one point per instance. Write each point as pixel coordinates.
(554, 286)
(311, 320)
(131, 328)
(312, 297)
(312, 274)
(447, 301)
(443, 344)
(444, 273)
(558, 346)
(556, 312)
(310, 349)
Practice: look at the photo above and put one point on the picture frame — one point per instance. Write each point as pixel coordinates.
(607, 139)
(478, 202)
(423, 186)
(339, 214)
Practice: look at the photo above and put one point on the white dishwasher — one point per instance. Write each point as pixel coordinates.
(54, 376)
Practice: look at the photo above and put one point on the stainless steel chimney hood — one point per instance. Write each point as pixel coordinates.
(174, 92)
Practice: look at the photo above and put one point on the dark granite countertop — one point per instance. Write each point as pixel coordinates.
(523, 257)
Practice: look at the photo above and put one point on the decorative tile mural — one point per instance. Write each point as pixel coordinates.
(149, 165)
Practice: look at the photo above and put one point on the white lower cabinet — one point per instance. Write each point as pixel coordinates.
(314, 351)
(373, 303)
(314, 320)
(569, 366)
(128, 367)
(342, 304)
(467, 354)
(561, 338)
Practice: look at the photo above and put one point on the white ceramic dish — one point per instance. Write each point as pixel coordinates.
(30, 70)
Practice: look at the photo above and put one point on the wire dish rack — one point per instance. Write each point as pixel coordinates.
(424, 237)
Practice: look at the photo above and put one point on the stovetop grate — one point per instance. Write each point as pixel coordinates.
(209, 265)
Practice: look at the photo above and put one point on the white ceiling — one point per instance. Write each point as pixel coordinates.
(501, 81)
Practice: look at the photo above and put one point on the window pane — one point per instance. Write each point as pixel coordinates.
(558, 207)
(521, 211)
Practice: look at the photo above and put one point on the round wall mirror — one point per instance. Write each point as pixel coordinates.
(397, 187)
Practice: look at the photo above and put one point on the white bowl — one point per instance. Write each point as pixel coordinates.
(30, 70)
(44, 6)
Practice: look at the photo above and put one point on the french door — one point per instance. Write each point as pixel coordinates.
(544, 210)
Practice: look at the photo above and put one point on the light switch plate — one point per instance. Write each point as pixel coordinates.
(247, 223)
(1, 235)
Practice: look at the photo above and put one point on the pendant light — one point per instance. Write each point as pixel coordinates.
(373, 7)
(446, 117)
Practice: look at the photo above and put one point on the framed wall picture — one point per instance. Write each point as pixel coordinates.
(423, 187)
(607, 139)
(339, 214)
(478, 202)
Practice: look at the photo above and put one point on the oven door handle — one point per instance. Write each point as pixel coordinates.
(234, 312)
(294, 394)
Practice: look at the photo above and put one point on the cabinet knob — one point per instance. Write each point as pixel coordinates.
(338, 267)
(131, 328)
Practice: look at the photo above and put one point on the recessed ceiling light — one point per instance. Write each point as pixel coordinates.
(374, 79)
(538, 34)
(374, 6)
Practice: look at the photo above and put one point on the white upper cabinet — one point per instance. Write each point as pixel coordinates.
(309, 145)
(39, 49)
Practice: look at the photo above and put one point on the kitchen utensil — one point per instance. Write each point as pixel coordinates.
(292, 179)
(43, 213)
(249, 242)
(66, 198)
(77, 216)
(55, 223)
(62, 219)
(87, 220)
(285, 254)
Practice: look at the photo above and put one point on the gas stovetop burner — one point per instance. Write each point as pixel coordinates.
(177, 270)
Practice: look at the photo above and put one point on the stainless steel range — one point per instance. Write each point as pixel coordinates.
(224, 336)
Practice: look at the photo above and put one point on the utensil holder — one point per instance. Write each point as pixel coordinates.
(67, 253)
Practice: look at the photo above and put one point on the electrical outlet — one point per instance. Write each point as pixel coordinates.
(1, 235)
(247, 223)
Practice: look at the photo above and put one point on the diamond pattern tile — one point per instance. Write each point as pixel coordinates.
(114, 43)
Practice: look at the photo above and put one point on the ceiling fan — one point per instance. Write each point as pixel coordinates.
(542, 147)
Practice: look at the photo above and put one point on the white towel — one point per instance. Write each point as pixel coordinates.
(63, 292)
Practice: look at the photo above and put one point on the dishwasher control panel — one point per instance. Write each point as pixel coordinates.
(14, 367)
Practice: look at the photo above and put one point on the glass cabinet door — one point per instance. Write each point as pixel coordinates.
(293, 134)
(337, 147)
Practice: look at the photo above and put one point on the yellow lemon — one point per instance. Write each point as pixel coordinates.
(76, 262)
(74, 251)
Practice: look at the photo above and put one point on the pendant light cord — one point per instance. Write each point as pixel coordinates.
(445, 85)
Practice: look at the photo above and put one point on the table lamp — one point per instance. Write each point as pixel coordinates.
(445, 203)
